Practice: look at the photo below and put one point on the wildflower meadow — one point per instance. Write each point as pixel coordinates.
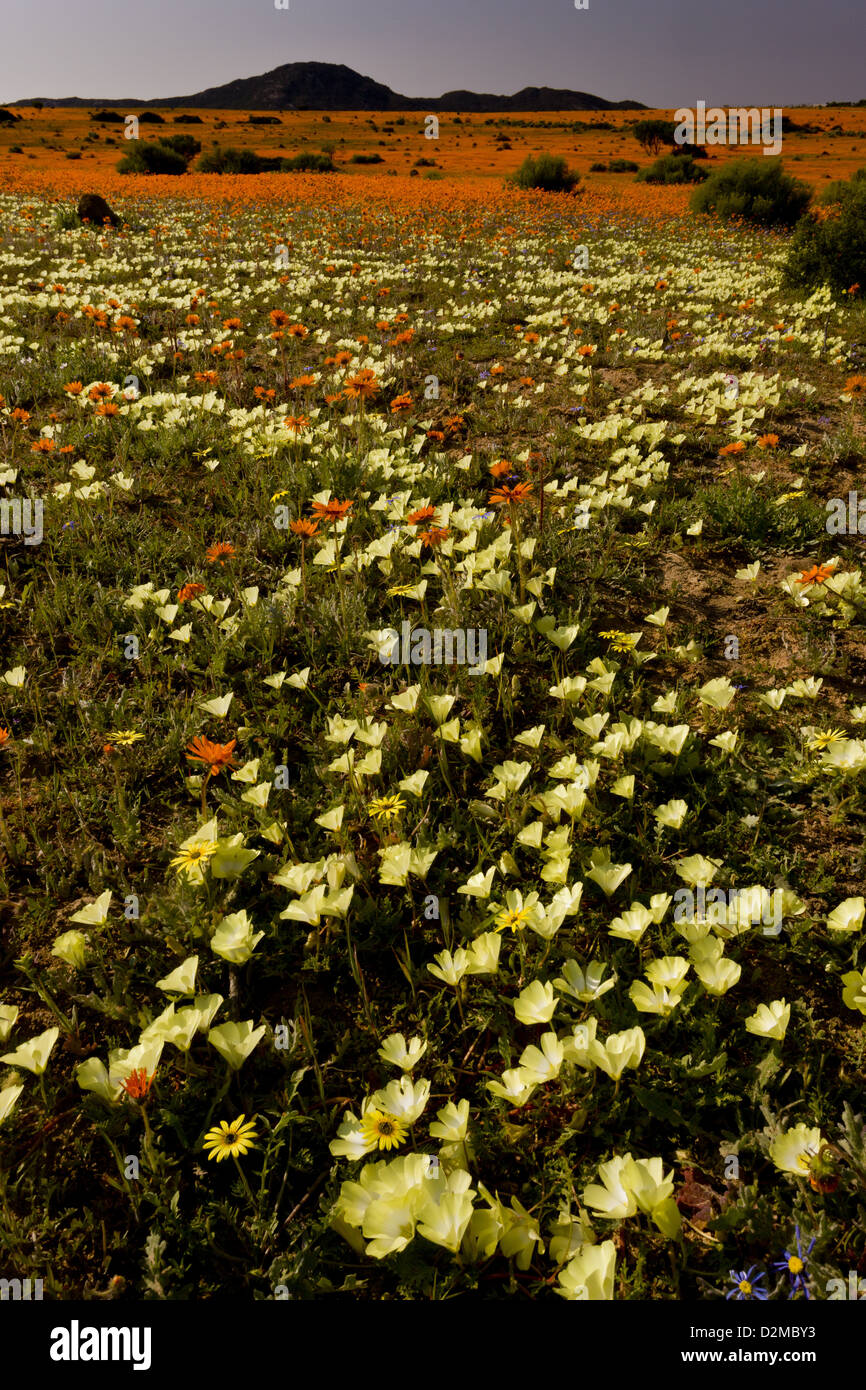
(432, 747)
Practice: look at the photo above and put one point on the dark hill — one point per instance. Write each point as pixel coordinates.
(334, 87)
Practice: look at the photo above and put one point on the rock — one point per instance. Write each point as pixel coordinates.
(95, 209)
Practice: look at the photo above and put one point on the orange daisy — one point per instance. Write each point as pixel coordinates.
(215, 756)
(221, 551)
(518, 494)
(331, 511)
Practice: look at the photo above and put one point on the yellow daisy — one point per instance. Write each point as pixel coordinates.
(227, 1140)
(383, 1130)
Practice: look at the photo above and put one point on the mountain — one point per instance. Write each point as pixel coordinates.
(334, 87)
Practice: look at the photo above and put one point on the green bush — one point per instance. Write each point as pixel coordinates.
(831, 250)
(623, 166)
(309, 163)
(152, 159)
(230, 160)
(598, 168)
(755, 190)
(652, 134)
(184, 145)
(672, 168)
(838, 190)
(366, 159)
(545, 171)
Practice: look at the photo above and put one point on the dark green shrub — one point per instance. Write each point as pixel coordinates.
(366, 159)
(230, 160)
(309, 164)
(756, 190)
(831, 250)
(838, 190)
(152, 159)
(599, 168)
(545, 171)
(672, 168)
(652, 134)
(623, 166)
(184, 145)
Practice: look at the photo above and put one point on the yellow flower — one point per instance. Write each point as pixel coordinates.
(123, 738)
(227, 1140)
(191, 857)
(382, 1130)
(386, 807)
(824, 738)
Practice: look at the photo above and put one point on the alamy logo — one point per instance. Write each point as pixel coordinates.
(74, 1343)
(740, 125)
(845, 520)
(424, 648)
(20, 1290)
(22, 518)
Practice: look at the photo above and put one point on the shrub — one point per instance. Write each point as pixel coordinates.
(152, 159)
(15, 149)
(230, 160)
(309, 163)
(184, 145)
(545, 171)
(672, 168)
(838, 190)
(366, 159)
(623, 166)
(651, 135)
(755, 190)
(151, 118)
(114, 117)
(831, 249)
(599, 168)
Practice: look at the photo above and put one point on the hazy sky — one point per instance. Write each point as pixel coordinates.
(663, 52)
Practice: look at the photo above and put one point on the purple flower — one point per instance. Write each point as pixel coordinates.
(745, 1284)
(795, 1265)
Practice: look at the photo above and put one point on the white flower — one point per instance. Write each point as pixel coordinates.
(399, 1053)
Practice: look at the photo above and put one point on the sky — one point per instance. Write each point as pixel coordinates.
(664, 53)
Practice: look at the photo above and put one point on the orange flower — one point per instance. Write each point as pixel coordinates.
(279, 318)
(209, 377)
(343, 357)
(304, 528)
(530, 337)
(434, 537)
(4, 737)
(436, 435)
(262, 393)
(362, 386)
(221, 551)
(331, 511)
(517, 494)
(296, 423)
(107, 408)
(299, 382)
(215, 756)
(405, 337)
(422, 514)
(22, 415)
(586, 351)
(138, 1084)
(43, 446)
(232, 323)
(383, 325)
(856, 385)
(738, 447)
(401, 403)
(297, 330)
(73, 388)
(816, 575)
(188, 591)
(192, 320)
(768, 441)
(498, 469)
(101, 392)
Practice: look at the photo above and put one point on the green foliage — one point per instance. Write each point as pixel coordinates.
(652, 134)
(831, 250)
(545, 171)
(673, 168)
(157, 158)
(623, 166)
(753, 190)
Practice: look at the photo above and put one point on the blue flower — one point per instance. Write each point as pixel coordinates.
(795, 1265)
(745, 1284)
